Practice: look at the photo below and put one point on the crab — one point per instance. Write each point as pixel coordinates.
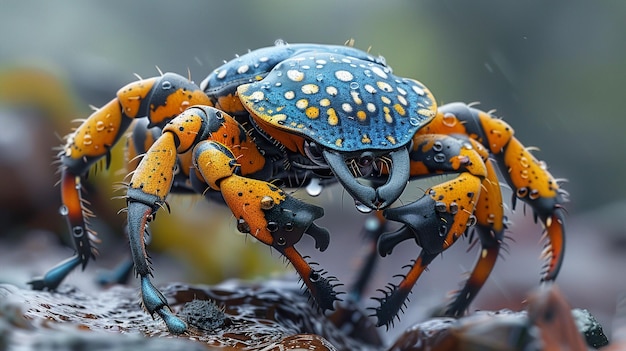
(301, 115)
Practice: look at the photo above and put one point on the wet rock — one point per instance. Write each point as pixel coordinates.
(547, 324)
(591, 329)
(269, 315)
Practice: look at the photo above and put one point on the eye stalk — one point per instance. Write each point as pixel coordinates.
(374, 198)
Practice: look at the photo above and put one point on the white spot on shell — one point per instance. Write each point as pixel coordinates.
(295, 75)
(344, 76)
(290, 95)
(419, 91)
(257, 96)
(370, 89)
(310, 89)
(222, 74)
(379, 72)
(243, 69)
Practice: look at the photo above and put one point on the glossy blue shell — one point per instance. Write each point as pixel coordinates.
(341, 102)
(256, 64)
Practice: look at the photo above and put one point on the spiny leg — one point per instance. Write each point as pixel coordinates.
(159, 99)
(222, 154)
(345, 314)
(436, 220)
(528, 177)
(490, 227)
(269, 214)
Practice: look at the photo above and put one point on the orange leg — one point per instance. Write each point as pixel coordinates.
(528, 177)
(159, 99)
(438, 219)
(490, 226)
(222, 155)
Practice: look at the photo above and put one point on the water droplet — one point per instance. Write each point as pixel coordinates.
(319, 77)
(166, 85)
(471, 220)
(449, 120)
(443, 230)
(78, 231)
(280, 42)
(361, 207)
(314, 188)
(534, 194)
(267, 202)
(272, 226)
(87, 140)
(524, 174)
(63, 210)
(100, 126)
(441, 207)
(367, 73)
(438, 146)
(439, 158)
(243, 226)
(454, 207)
(354, 85)
(414, 121)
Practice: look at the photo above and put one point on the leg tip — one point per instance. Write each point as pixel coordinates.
(174, 324)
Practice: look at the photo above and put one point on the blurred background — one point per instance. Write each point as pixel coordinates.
(555, 70)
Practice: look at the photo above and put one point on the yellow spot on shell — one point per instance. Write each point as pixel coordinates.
(310, 89)
(388, 117)
(391, 139)
(279, 117)
(426, 112)
(331, 90)
(366, 139)
(385, 100)
(312, 112)
(384, 86)
(361, 115)
(295, 75)
(324, 102)
(339, 142)
(333, 120)
(399, 109)
(356, 98)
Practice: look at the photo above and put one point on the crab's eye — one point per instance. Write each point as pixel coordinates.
(366, 159)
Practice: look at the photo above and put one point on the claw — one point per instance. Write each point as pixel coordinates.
(374, 198)
(387, 241)
(290, 219)
(555, 233)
